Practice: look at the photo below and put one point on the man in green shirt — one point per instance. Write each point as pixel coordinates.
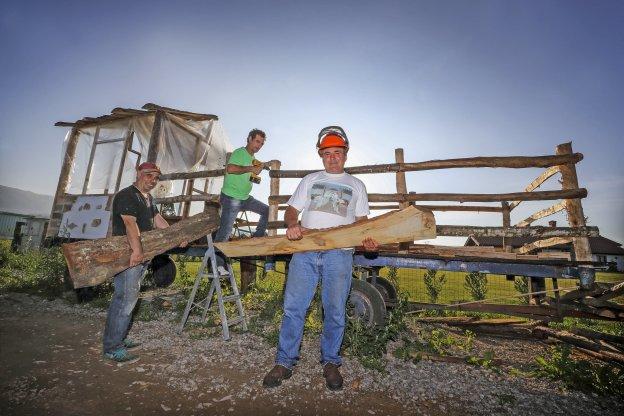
(237, 186)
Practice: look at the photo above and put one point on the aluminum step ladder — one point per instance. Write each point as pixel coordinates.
(215, 288)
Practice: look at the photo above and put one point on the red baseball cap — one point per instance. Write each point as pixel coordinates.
(148, 167)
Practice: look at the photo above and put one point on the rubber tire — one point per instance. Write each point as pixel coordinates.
(366, 303)
(163, 270)
(386, 288)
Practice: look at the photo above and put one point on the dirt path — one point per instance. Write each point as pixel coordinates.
(52, 365)
(51, 362)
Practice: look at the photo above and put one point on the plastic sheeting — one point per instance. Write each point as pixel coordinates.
(185, 146)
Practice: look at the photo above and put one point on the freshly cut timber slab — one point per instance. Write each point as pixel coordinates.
(408, 224)
(91, 262)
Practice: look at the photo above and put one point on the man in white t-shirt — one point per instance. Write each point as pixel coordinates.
(328, 198)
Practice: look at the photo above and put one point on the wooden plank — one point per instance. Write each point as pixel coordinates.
(536, 183)
(560, 206)
(542, 232)
(577, 341)
(525, 196)
(401, 188)
(443, 208)
(408, 224)
(549, 242)
(588, 333)
(127, 146)
(91, 262)
(185, 114)
(514, 162)
(192, 175)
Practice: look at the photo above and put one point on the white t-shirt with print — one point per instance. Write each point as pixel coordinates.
(329, 199)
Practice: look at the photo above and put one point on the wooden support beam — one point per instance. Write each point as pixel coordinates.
(127, 147)
(154, 143)
(576, 218)
(549, 242)
(560, 206)
(187, 198)
(542, 232)
(536, 183)
(514, 162)
(65, 174)
(506, 214)
(192, 175)
(401, 188)
(444, 208)
(525, 196)
(185, 114)
(274, 190)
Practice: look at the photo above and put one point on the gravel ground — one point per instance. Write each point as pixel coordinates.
(212, 376)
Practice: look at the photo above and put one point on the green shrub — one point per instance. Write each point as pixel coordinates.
(369, 343)
(521, 284)
(434, 284)
(605, 379)
(476, 284)
(38, 272)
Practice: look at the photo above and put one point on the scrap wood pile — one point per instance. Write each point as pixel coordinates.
(598, 345)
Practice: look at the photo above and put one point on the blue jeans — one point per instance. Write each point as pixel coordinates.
(333, 269)
(230, 207)
(127, 285)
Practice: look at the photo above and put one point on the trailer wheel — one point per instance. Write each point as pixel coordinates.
(366, 304)
(385, 288)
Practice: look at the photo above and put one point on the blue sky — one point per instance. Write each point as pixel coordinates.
(441, 79)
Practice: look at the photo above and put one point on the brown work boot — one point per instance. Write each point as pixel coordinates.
(333, 379)
(276, 375)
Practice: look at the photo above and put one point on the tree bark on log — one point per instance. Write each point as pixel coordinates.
(514, 162)
(523, 196)
(92, 262)
(577, 341)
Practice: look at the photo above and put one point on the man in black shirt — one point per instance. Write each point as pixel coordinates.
(133, 213)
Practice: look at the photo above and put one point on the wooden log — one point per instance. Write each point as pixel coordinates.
(560, 206)
(536, 183)
(543, 232)
(549, 242)
(154, 143)
(193, 175)
(469, 320)
(588, 333)
(525, 196)
(274, 186)
(443, 208)
(401, 188)
(408, 224)
(574, 208)
(91, 262)
(506, 214)
(542, 332)
(187, 198)
(65, 174)
(419, 355)
(514, 162)
(85, 185)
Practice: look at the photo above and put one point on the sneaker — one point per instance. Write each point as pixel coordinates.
(222, 271)
(129, 344)
(121, 355)
(275, 377)
(333, 379)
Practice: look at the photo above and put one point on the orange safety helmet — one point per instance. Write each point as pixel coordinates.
(332, 136)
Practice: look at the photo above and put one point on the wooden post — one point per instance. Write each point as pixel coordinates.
(154, 144)
(401, 187)
(126, 149)
(274, 190)
(506, 214)
(64, 178)
(576, 218)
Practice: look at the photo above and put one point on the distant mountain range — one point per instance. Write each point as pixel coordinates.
(25, 202)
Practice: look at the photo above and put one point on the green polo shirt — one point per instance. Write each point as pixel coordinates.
(238, 186)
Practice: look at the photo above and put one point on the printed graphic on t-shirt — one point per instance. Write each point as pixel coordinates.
(332, 198)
